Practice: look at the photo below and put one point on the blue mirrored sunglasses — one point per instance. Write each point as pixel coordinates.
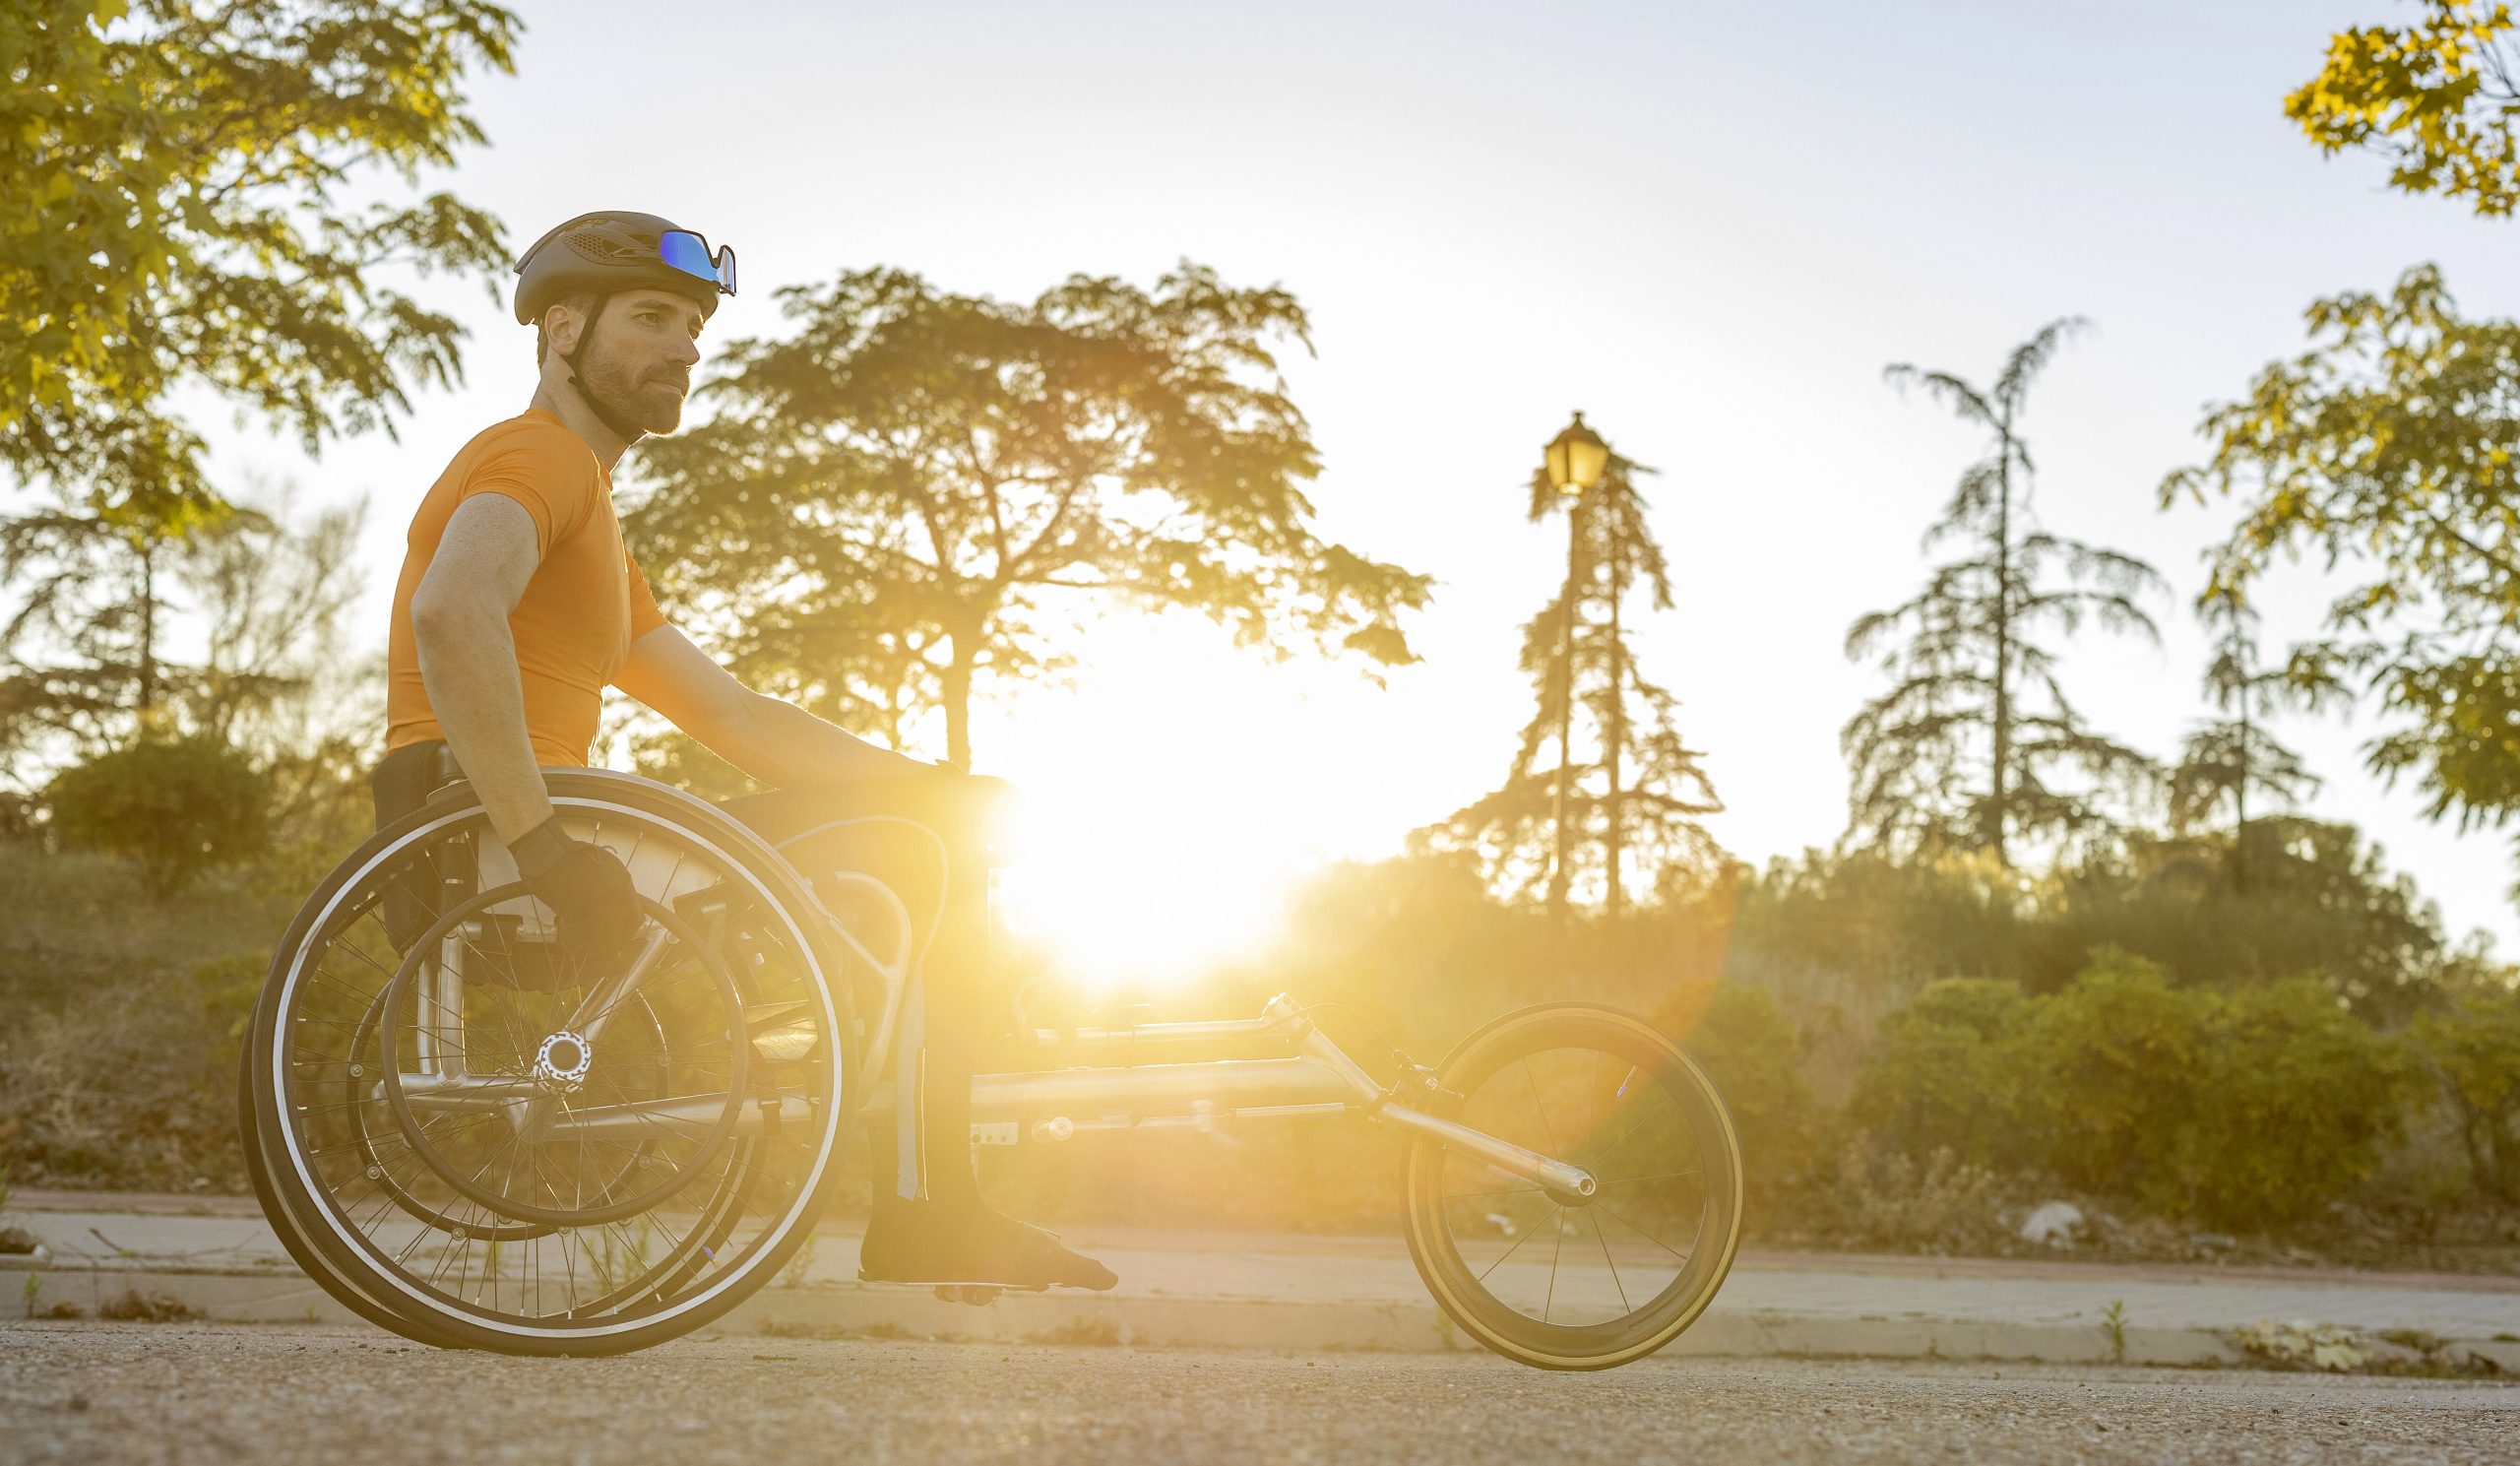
(689, 253)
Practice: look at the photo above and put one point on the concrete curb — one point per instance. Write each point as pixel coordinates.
(280, 1294)
(271, 1291)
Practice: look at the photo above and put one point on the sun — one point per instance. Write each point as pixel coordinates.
(1172, 799)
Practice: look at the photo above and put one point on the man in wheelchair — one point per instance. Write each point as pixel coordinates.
(516, 605)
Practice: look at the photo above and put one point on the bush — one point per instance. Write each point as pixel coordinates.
(1943, 1074)
(177, 807)
(2299, 1097)
(2316, 898)
(2472, 1046)
(1750, 1049)
(2245, 1109)
(1939, 1204)
(2109, 1079)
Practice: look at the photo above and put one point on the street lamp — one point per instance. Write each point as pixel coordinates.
(1575, 460)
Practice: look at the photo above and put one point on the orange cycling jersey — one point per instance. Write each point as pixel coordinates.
(584, 605)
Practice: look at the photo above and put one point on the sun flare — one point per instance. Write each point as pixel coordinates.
(1174, 797)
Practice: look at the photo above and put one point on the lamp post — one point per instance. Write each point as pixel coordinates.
(1574, 459)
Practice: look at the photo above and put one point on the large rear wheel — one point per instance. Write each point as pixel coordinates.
(745, 1015)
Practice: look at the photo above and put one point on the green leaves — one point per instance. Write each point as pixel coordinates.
(2437, 99)
(971, 467)
(2248, 1106)
(2385, 451)
(178, 806)
(1964, 750)
(182, 165)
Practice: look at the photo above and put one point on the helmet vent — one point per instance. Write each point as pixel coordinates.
(607, 249)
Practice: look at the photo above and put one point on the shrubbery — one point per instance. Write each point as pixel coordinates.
(2247, 1107)
(2317, 898)
(2472, 1046)
(1944, 1075)
(177, 807)
(118, 1060)
(1750, 1049)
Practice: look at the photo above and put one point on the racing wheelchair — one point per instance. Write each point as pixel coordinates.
(468, 1139)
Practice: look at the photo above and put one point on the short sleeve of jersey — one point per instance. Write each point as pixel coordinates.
(644, 615)
(545, 468)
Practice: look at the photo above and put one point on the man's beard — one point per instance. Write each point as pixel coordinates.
(650, 404)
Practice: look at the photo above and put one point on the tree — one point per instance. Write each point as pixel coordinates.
(2387, 450)
(2228, 758)
(177, 228)
(2437, 100)
(82, 644)
(1632, 803)
(83, 661)
(918, 489)
(1960, 752)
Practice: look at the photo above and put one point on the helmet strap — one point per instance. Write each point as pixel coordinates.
(627, 433)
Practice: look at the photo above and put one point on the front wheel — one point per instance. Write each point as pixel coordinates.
(1589, 1283)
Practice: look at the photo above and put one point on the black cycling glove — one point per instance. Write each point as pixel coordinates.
(585, 886)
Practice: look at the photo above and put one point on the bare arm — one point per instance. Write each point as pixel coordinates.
(468, 658)
(778, 744)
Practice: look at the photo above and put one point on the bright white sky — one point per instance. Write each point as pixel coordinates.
(1707, 225)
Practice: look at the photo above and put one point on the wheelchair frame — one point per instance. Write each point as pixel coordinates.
(1124, 1078)
(1317, 1079)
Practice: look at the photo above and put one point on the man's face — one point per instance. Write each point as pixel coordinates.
(637, 364)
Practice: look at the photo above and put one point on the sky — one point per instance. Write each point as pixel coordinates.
(1709, 226)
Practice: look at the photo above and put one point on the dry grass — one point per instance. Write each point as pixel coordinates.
(117, 1062)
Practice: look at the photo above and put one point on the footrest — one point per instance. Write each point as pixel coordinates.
(977, 1295)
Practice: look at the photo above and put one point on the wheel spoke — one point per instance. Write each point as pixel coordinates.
(1556, 1225)
(1604, 1239)
(1541, 1106)
(1641, 1231)
(1517, 1246)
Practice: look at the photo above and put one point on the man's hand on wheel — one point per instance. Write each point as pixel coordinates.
(585, 886)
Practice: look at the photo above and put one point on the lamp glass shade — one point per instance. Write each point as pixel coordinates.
(1576, 458)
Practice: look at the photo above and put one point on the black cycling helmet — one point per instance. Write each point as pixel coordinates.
(605, 253)
(614, 250)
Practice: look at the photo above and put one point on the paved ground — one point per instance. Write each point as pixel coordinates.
(182, 1393)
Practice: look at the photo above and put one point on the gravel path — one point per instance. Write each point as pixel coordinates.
(176, 1393)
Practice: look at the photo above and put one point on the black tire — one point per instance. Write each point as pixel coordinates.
(751, 1215)
(1601, 1089)
(285, 1223)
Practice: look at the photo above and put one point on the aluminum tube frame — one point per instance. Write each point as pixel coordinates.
(1166, 1035)
(1223, 1091)
(1571, 1186)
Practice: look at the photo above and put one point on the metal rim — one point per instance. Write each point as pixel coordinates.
(761, 878)
(1506, 1077)
(415, 1134)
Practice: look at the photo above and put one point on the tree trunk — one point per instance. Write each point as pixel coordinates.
(956, 696)
(1996, 811)
(1558, 874)
(148, 628)
(1617, 739)
(2240, 800)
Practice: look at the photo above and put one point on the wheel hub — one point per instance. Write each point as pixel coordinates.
(560, 1065)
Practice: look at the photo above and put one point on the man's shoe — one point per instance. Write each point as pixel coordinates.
(966, 1241)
